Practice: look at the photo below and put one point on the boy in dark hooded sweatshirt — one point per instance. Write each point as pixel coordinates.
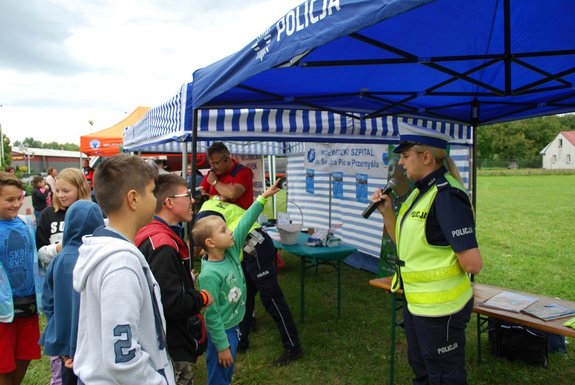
(61, 303)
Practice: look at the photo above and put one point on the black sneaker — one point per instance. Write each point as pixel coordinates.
(289, 355)
(243, 346)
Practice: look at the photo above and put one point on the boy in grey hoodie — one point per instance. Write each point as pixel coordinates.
(121, 331)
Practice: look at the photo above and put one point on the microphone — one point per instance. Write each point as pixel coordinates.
(391, 184)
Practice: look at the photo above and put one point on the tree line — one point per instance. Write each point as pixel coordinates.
(33, 143)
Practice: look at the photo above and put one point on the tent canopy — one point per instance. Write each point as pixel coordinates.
(108, 142)
(165, 128)
(468, 61)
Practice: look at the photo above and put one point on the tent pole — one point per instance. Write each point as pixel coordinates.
(272, 173)
(329, 192)
(187, 228)
(266, 165)
(185, 163)
(194, 148)
(474, 169)
(194, 168)
(475, 121)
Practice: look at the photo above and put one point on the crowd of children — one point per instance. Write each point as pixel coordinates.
(117, 313)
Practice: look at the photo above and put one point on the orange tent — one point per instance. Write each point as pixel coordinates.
(108, 142)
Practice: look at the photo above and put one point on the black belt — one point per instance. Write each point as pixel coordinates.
(25, 306)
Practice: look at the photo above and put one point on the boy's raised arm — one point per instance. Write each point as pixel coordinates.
(251, 215)
(273, 189)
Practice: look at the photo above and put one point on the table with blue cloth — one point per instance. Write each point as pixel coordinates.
(315, 255)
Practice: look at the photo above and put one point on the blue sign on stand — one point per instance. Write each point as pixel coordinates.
(309, 180)
(337, 185)
(361, 188)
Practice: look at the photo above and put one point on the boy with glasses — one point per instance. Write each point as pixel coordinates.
(169, 257)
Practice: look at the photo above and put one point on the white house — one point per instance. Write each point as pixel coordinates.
(560, 153)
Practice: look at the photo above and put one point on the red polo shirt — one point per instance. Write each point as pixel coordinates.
(241, 175)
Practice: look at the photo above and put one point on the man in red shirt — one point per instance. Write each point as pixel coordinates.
(228, 178)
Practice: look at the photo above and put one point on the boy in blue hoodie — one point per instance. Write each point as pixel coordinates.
(121, 329)
(19, 301)
(61, 303)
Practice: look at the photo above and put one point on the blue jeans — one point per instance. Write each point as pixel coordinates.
(37, 214)
(218, 375)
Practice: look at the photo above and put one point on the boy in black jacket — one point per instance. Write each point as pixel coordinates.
(169, 258)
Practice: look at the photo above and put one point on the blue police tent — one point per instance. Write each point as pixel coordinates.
(468, 61)
(464, 62)
(473, 62)
(461, 62)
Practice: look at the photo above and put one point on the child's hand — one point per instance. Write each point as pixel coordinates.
(68, 362)
(198, 252)
(225, 358)
(272, 189)
(194, 275)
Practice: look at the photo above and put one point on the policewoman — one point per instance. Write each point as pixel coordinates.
(434, 233)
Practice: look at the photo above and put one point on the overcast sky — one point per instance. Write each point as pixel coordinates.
(64, 63)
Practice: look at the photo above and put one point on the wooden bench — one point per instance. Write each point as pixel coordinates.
(481, 293)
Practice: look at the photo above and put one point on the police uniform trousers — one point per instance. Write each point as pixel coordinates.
(436, 347)
(261, 277)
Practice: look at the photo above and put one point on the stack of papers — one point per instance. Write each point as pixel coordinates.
(548, 312)
(508, 300)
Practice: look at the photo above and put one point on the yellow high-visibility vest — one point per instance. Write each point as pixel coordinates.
(433, 282)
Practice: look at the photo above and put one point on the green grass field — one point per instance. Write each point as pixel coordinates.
(524, 226)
